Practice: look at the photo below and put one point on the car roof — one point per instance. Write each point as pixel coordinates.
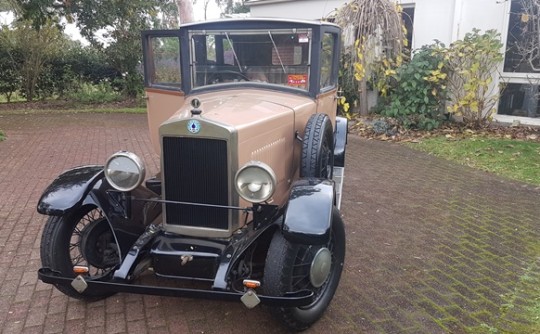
(251, 21)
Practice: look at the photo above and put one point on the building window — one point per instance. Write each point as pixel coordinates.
(408, 22)
(522, 52)
(520, 90)
(520, 100)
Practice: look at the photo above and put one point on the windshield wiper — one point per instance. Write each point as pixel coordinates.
(277, 51)
(234, 52)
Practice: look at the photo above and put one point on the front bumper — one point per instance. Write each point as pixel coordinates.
(296, 299)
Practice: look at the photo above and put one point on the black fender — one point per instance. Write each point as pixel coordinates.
(68, 190)
(308, 216)
(87, 185)
(340, 137)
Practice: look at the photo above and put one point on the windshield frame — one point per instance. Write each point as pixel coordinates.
(317, 29)
(279, 57)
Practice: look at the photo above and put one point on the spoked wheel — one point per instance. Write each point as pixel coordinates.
(81, 238)
(292, 267)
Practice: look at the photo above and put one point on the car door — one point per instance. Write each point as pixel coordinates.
(164, 92)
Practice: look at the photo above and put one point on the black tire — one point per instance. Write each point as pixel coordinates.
(82, 238)
(287, 269)
(318, 148)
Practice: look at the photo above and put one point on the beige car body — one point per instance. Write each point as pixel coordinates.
(260, 110)
(265, 124)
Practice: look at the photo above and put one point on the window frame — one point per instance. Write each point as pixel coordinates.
(148, 59)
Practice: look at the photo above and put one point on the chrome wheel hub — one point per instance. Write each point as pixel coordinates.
(320, 267)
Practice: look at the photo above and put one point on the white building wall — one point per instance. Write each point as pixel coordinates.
(481, 14)
(299, 9)
(443, 20)
(433, 20)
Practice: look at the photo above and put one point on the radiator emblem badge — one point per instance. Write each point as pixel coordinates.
(194, 126)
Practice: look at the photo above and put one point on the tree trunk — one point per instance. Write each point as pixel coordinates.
(363, 96)
(185, 11)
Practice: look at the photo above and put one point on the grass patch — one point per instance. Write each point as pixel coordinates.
(2, 136)
(518, 160)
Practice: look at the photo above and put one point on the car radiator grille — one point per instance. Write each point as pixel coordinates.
(195, 170)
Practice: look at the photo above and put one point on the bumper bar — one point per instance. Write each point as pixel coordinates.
(294, 299)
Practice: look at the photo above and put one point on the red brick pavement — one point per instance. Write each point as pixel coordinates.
(432, 247)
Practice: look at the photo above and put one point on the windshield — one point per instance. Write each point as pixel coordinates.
(273, 57)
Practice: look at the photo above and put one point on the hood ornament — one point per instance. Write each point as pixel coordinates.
(196, 104)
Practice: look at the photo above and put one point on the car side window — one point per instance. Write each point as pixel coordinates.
(328, 79)
(164, 61)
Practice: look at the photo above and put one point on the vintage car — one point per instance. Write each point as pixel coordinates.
(243, 115)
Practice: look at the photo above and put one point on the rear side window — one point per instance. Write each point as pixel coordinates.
(328, 79)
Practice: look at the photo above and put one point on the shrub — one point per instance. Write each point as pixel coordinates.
(10, 63)
(411, 97)
(348, 87)
(458, 77)
(470, 64)
(98, 93)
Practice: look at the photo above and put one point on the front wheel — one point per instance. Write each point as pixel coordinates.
(81, 238)
(292, 267)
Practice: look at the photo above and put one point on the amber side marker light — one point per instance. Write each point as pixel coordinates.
(80, 270)
(251, 284)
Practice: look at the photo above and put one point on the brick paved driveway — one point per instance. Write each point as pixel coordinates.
(432, 247)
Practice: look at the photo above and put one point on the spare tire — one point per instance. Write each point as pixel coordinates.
(318, 148)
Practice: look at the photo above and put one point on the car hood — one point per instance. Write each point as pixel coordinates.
(242, 109)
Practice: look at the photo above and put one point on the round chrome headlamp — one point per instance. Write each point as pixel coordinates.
(255, 182)
(124, 171)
